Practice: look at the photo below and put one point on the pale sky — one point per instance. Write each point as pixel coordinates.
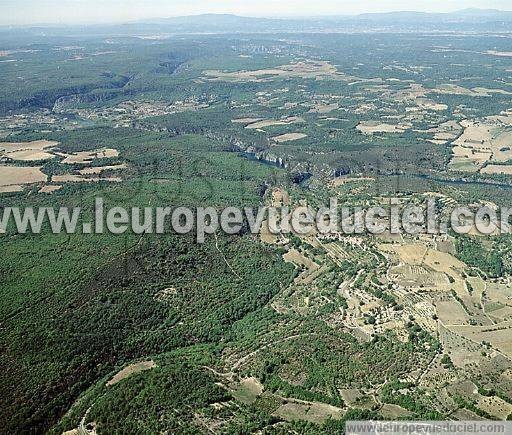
(82, 11)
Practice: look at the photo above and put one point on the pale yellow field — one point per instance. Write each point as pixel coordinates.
(481, 142)
(452, 313)
(253, 384)
(8, 147)
(495, 406)
(289, 137)
(266, 236)
(370, 127)
(50, 188)
(130, 370)
(501, 293)
(10, 189)
(492, 91)
(273, 122)
(444, 262)
(310, 69)
(501, 314)
(265, 123)
(323, 108)
(76, 178)
(294, 256)
(425, 103)
(351, 395)
(475, 134)
(454, 90)
(308, 411)
(445, 132)
(478, 285)
(498, 335)
(501, 146)
(504, 118)
(17, 175)
(84, 157)
(394, 411)
(280, 197)
(468, 159)
(27, 151)
(416, 276)
(249, 390)
(30, 155)
(100, 169)
(417, 254)
(245, 120)
(474, 92)
(409, 253)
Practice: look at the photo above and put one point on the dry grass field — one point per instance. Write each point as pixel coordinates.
(498, 335)
(497, 169)
(50, 188)
(495, 406)
(313, 412)
(371, 127)
(249, 390)
(451, 312)
(131, 370)
(317, 70)
(289, 137)
(100, 169)
(19, 175)
(257, 125)
(481, 142)
(76, 178)
(84, 157)
(27, 151)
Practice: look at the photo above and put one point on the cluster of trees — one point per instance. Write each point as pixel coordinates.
(472, 252)
(402, 394)
(471, 405)
(420, 339)
(162, 399)
(334, 360)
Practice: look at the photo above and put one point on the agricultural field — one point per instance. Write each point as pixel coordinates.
(253, 333)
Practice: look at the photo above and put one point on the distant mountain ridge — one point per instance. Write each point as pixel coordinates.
(467, 20)
(207, 18)
(465, 14)
(463, 20)
(217, 19)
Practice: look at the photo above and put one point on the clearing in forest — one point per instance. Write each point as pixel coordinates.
(131, 370)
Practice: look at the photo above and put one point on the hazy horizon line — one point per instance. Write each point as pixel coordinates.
(141, 20)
